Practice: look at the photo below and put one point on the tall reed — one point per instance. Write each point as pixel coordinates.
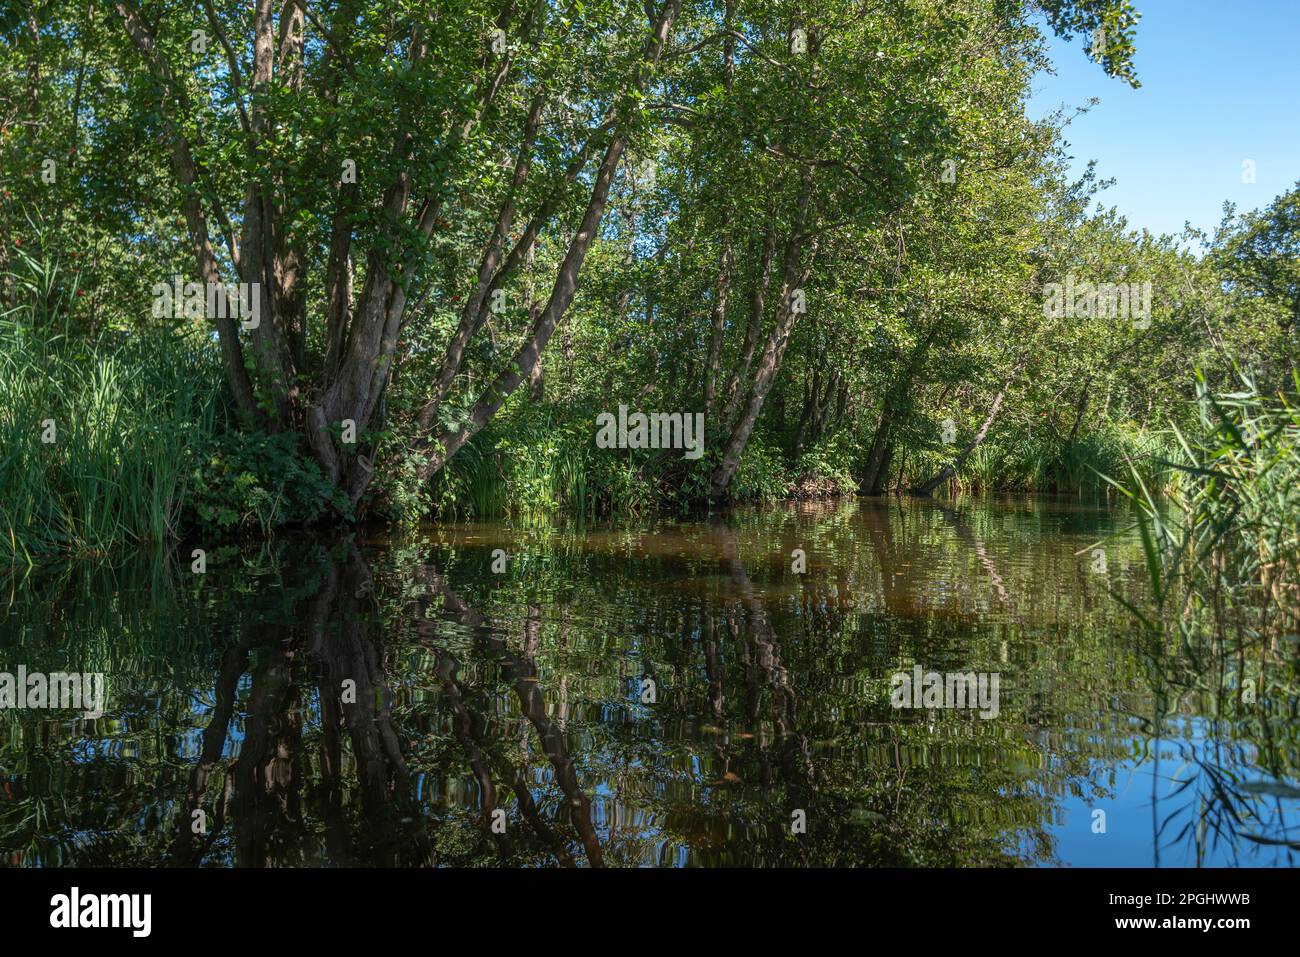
(96, 435)
(1230, 544)
(1222, 555)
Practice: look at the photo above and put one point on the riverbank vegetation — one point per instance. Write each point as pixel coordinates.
(472, 227)
(1227, 552)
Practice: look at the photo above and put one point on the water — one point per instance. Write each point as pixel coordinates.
(669, 695)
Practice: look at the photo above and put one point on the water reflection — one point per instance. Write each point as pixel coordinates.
(676, 694)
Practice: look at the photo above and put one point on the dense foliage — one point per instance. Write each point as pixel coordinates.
(474, 226)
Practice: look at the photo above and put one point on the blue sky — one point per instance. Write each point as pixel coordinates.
(1220, 85)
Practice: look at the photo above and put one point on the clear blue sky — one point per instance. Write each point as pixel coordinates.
(1220, 84)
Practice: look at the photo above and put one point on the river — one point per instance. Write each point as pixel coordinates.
(715, 692)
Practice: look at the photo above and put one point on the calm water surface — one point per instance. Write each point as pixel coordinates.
(666, 695)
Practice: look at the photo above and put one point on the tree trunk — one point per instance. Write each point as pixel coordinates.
(439, 450)
(948, 471)
(757, 306)
(881, 451)
(1080, 408)
(449, 442)
(718, 324)
(877, 470)
(770, 362)
(174, 103)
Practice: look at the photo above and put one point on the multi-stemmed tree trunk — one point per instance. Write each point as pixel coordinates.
(282, 388)
(821, 395)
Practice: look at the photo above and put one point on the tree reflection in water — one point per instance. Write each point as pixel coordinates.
(389, 703)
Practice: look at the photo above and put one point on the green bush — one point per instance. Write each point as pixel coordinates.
(826, 468)
(762, 475)
(245, 480)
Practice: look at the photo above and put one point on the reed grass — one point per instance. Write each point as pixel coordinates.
(1032, 463)
(124, 419)
(1222, 558)
(1228, 552)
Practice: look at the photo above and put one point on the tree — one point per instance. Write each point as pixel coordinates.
(320, 120)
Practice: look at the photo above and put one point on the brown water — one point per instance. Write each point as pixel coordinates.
(671, 695)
